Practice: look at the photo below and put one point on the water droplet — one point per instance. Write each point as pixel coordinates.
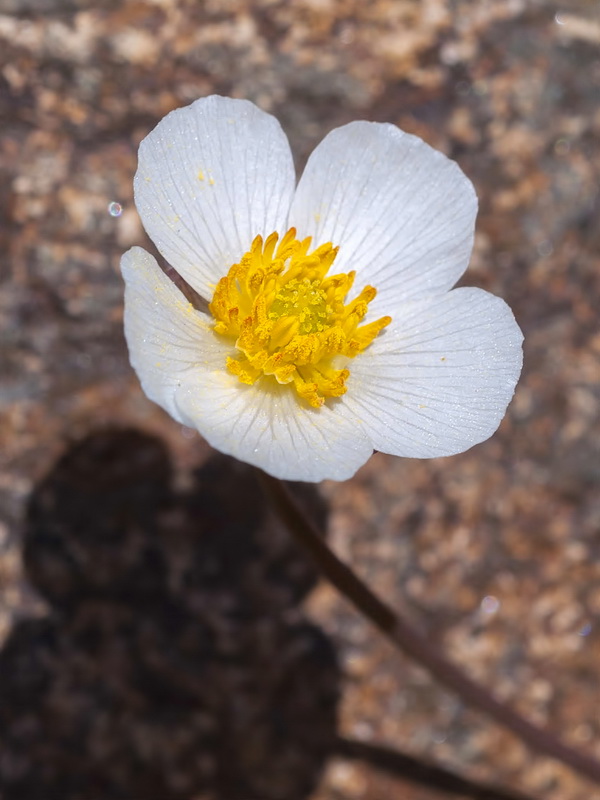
(490, 604)
(585, 629)
(545, 248)
(115, 209)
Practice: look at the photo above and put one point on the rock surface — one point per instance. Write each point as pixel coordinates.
(143, 658)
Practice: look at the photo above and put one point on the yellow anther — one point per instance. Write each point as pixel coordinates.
(288, 319)
(284, 330)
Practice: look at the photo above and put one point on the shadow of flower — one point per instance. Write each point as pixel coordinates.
(174, 662)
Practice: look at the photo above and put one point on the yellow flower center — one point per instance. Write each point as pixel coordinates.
(288, 318)
(303, 299)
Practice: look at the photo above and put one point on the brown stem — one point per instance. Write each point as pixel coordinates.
(412, 769)
(411, 641)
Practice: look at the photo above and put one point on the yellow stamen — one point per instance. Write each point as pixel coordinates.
(288, 319)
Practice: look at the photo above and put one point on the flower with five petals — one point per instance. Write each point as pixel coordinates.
(330, 327)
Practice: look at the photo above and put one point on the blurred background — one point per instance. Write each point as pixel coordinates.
(160, 637)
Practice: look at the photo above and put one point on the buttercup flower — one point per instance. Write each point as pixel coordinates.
(330, 328)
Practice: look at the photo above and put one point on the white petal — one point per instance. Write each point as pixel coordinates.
(168, 339)
(271, 430)
(402, 213)
(210, 178)
(439, 379)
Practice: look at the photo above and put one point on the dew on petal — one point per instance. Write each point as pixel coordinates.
(115, 209)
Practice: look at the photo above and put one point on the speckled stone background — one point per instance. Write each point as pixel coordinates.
(161, 639)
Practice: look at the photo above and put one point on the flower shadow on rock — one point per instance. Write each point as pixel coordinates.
(174, 661)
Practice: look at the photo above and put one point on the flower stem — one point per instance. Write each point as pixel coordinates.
(412, 769)
(413, 643)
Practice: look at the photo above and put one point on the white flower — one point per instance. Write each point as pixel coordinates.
(281, 370)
